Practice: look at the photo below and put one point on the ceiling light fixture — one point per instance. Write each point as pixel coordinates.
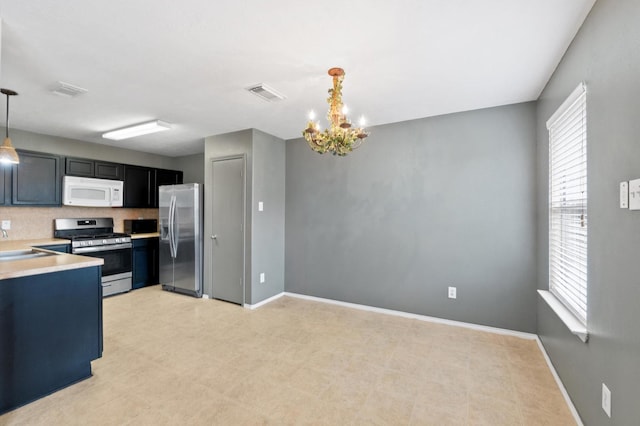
(8, 154)
(137, 130)
(68, 90)
(339, 138)
(265, 92)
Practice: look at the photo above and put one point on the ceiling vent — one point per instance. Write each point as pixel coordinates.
(68, 90)
(265, 92)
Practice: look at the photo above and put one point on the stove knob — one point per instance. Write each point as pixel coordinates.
(104, 241)
(89, 243)
(118, 240)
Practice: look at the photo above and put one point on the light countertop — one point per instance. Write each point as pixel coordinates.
(41, 265)
(148, 235)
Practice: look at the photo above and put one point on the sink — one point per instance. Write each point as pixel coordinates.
(23, 254)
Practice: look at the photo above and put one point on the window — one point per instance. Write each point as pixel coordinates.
(568, 204)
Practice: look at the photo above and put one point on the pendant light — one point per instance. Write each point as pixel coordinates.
(8, 154)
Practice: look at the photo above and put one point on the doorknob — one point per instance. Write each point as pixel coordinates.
(214, 237)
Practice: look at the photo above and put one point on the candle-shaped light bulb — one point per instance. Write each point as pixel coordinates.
(312, 115)
(362, 122)
(345, 109)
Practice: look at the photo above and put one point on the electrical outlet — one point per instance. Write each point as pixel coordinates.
(261, 277)
(452, 293)
(6, 225)
(606, 400)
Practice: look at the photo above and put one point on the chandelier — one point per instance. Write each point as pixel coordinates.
(340, 138)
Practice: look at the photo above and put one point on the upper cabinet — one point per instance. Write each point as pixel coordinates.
(5, 184)
(93, 168)
(36, 180)
(168, 177)
(139, 186)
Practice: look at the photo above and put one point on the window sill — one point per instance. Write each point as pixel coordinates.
(572, 323)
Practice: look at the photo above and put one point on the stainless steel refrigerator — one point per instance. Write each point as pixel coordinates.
(181, 231)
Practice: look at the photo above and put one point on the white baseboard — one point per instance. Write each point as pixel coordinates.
(563, 390)
(264, 302)
(496, 330)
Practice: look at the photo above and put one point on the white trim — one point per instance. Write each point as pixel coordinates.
(577, 92)
(264, 302)
(520, 334)
(573, 324)
(563, 390)
(496, 330)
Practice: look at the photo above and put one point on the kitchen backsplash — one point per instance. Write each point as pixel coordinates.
(29, 223)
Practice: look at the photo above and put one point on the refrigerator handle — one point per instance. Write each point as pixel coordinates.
(172, 205)
(176, 227)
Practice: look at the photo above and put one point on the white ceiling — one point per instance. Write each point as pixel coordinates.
(188, 62)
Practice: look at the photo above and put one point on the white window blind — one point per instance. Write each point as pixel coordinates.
(568, 203)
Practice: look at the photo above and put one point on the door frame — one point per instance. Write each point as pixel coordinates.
(209, 224)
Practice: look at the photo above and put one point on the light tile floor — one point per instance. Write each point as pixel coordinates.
(174, 360)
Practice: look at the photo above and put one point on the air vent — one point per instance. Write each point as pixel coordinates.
(68, 90)
(265, 92)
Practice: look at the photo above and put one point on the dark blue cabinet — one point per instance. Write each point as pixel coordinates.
(5, 184)
(62, 248)
(93, 168)
(50, 331)
(36, 181)
(145, 262)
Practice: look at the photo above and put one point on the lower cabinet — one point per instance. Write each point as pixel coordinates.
(62, 248)
(145, 262)
(50, 331)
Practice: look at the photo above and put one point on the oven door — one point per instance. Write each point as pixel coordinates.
(117, 257)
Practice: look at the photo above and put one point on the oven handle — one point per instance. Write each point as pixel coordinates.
(101, 248)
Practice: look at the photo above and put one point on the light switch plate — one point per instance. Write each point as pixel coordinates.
(606, 400)
(634, 194)
(624, 195)
(6, 225)
(260, 206)
(261, 277)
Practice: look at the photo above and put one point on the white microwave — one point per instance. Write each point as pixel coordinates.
(89, 192)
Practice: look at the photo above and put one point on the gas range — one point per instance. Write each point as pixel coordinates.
(99, 240)
(95, 237)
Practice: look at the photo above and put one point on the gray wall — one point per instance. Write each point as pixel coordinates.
(225, 145)
(267, 238)
(606, 55)
(264, 236)
(422, 205)
(192, 166)
(72, 147)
